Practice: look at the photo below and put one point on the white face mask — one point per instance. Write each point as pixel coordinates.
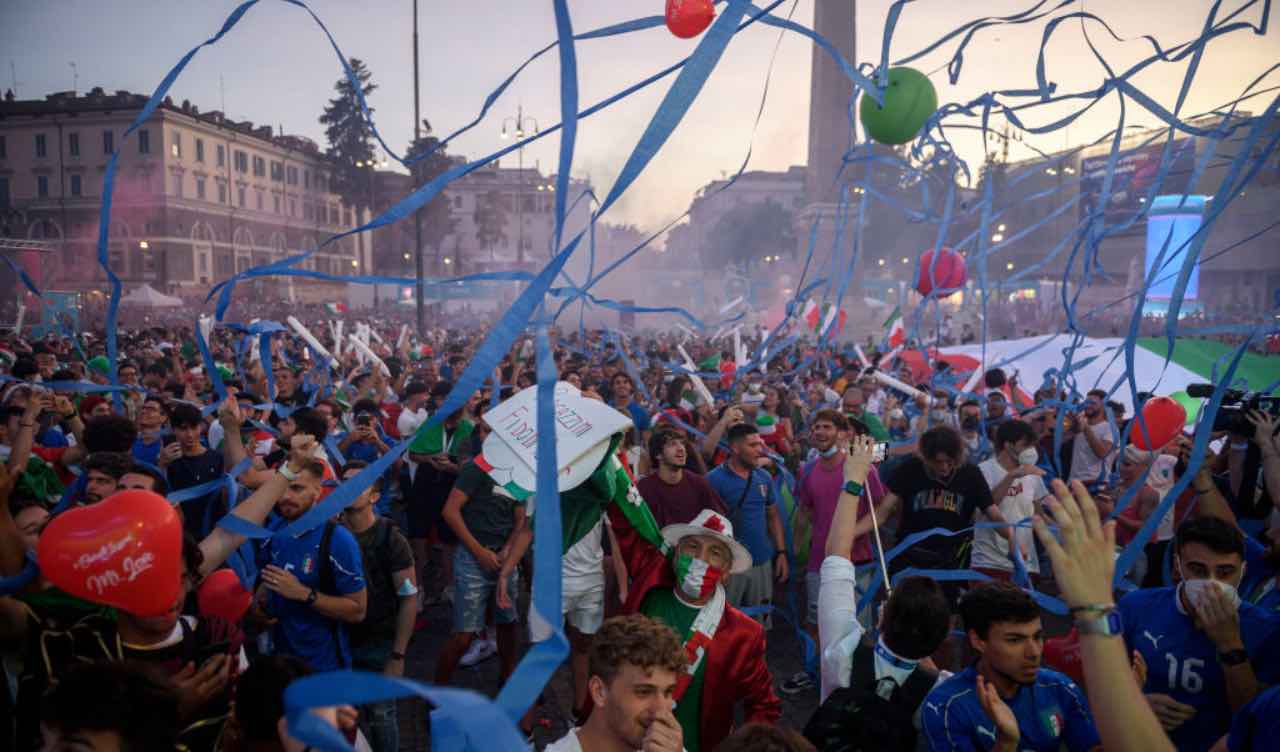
(831, 451)
(754, 387)
(1028, 456)
(1196, 590)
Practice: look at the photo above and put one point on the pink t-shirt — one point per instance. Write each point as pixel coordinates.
(819, 492)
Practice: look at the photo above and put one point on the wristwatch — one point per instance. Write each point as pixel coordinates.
(853, 488)
(311, 597)
(1233, 657)
(1098, 620)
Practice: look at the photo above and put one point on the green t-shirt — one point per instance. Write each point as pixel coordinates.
(663, 605)
(873, 424)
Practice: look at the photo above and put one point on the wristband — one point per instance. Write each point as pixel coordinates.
(311, 597)
(1233, 657)
(1092, 607)
(776, 554)
(1104, 621)
(853, 488)
(26, 425)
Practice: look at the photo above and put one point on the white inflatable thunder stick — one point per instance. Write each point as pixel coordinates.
(369, 355)
(697, 380)
(310, 339)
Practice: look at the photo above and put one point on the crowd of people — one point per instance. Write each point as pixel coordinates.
(951, 557)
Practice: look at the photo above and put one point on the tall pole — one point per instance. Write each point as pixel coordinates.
(417, 215)
(520, 189)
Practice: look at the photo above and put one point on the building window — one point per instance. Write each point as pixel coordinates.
(200, 188)
(333, 215)
(73, 144)
(291, 175)
(4, 149)
(144, 141)
(42, 147)
(108, 143)
(42, 186)
(259, 197)
(222, 155)
(306, 179)
(240, 196)
(242, 161)
(346, 219)
(275, 200)
(4, 192)
(259, 167)
(277, 171)
(307, 212)
(204, 264)
(457, 202)
(75, 185)
(222, 193)
(177, 185)
(293, 208)
(175, 148)
(199, 150)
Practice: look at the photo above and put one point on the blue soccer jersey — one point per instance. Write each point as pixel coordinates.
(1183, 663)
(1257, 726)
(1051, 713)
(301, 631)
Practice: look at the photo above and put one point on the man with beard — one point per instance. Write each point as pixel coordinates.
(853, 405)
(1093, 444)
(1006, 701)
(102, 472)
(675, 496)
(679, 585)
(312, 582)
(634, 669)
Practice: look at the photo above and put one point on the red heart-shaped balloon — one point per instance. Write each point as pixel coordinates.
(1164, 418)
(689, 18)
(222, 595)
(125, 551)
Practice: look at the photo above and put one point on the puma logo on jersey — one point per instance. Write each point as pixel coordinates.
(1155, 641)
(933, 706)
(984, 731)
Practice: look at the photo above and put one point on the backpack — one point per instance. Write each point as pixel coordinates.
(328, 585)
(870, 715)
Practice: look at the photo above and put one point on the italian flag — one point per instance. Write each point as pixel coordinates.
(335, 308)
(895, 334)
(766, 424)
(689, 569)
(820, 318)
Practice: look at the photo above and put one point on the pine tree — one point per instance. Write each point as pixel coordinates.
(350, 137)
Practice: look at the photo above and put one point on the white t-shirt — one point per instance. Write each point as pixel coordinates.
(1086, 466)
(990, 549)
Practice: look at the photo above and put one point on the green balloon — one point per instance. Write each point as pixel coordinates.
(909, 100)
(1192, 404)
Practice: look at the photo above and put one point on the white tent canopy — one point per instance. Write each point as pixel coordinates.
(147, 296)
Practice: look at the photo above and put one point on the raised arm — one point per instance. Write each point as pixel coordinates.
(1084, 565)
(845, 527)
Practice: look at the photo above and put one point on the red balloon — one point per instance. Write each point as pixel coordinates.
(689, 18)
(222, 595)
(125, 551)
(1165, 418)
(949, 273)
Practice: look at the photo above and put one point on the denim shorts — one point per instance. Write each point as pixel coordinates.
(475, 589)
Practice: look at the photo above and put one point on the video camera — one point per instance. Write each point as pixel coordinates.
(1233, 412)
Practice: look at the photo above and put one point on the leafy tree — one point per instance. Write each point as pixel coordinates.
(491, 220)
(350, 137)
(749, 232)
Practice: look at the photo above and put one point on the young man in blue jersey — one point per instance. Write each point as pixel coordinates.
(1208, 653)
(1006, 701)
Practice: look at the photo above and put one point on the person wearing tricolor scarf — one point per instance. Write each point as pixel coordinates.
(677, 581)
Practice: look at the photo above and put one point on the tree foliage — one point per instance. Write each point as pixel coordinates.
(350, 137)
(747, 233)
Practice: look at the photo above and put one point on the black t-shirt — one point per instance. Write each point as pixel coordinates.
(201, 514)
(487, 514)
(383, 552)
(929, 503)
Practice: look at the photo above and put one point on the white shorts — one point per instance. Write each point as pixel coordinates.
(584, 611)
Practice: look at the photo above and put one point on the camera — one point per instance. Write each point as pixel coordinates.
(364, 419)
(1233, 413)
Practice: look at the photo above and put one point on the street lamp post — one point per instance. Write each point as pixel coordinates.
(519, 121)
(417, 215)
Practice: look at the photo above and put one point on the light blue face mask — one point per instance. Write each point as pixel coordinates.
(831, 452)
